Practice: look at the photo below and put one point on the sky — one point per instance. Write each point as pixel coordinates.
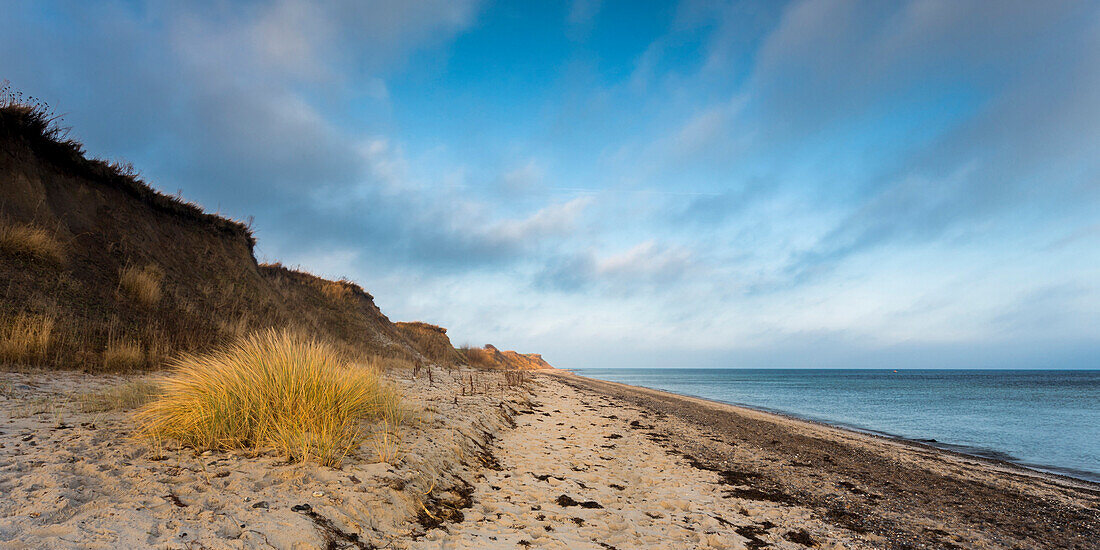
(834, 183)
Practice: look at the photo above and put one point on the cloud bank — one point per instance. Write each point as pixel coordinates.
(812, 183)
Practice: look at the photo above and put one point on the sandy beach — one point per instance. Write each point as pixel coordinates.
(78, 479)
(566, 462)
(281, 274)
(880, 492)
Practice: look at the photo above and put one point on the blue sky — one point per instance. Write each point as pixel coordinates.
(757, 184)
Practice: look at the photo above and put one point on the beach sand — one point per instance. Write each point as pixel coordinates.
(73, 479)
(889, 493)
(568, 462)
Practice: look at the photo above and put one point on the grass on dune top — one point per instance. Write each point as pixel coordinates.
(273, 390)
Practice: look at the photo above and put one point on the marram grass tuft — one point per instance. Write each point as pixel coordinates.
(26, 338)
(270, 391)
(142, 284)
(30, 241)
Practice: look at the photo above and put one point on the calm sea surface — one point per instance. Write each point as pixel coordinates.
(1044, 419)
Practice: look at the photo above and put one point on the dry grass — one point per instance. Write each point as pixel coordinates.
(31, 121)
(386, 443)
(236, 327)
(26, 338)
(432, 341)
(32, 407)
(27, 240)
(142, 284)
(387, 440)
(211, 291)
(272, 390)
(479, 357)
(130, 395)
(391, 409)
(337, 291)
(123, 354)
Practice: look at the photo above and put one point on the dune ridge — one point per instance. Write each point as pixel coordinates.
(110, 274)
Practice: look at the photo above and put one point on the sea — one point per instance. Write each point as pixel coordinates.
(1043, 419)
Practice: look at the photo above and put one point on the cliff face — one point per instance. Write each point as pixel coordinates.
(493, 358)
(526, 361)
(97, 270)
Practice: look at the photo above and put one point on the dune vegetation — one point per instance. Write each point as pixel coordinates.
(123, 354)
(25, 338)
(130, 395)
(478, 357)
(156, 277)
(142, 284)
(273, 390)
(30, 241)
(489, 357)
(159, 276)
(432, 341)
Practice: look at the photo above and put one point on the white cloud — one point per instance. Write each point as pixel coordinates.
(288, 37)
(710, 130)
(526, 177)
(252, 100)
(647, 260)
(555, 219)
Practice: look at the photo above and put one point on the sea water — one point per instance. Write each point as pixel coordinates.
(1043, 419)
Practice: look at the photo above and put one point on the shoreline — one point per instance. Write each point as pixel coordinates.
(906, 491)
(580, 471)
(560, 461)
(1038, 470)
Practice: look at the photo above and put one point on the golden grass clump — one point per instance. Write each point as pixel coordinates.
(30, 241)
(26, 338)
(123, 354)
(142, 284)
(336, 291)
(273, 390)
